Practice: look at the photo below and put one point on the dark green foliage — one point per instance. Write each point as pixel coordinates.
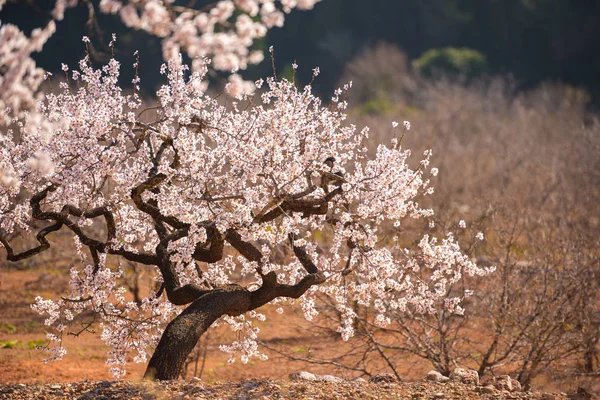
(451, 61)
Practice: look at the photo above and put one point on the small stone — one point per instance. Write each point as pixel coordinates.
(250, 385)
(55, 387)
(468, 376)
(329, 378)
(435, 376)
(516, 385)
(383, 378)
(489, 389)
(503, 382)
(303, 376)
(439, 395)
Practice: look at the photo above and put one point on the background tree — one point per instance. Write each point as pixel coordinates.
(230, 32)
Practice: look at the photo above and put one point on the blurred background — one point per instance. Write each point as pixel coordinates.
(531, 40)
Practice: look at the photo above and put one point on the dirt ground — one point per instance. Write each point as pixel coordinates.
(21, 329)
(267, 389)
(21, 362)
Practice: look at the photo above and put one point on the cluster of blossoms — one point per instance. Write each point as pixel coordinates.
(223, 31)
(20, 78)
(127, 327)
(280, 175)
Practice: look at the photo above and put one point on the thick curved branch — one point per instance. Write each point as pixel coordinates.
(249, 251)
(271, 290)
(302, 256)
(150, 208)
(186, 294)
(307, 207)
(93, 213)
(297, 290)
(215, 252)
(305, 192)
(142, 258)
(41, 238)
(177, 294)
(62, 218)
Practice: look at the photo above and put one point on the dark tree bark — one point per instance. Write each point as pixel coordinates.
(182, 334)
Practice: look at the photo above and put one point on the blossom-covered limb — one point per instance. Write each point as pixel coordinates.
(62, 219)
(302, 256)
(249, 251)
(151, 183)
(214, 252)
(177, 293)
(318, 206)
(272, 290)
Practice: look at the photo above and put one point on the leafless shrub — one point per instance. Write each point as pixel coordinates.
(533, 166)
(380, 70)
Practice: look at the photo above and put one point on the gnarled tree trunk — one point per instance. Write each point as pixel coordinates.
(182, 334)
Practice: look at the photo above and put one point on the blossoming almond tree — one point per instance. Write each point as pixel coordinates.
(203, 191)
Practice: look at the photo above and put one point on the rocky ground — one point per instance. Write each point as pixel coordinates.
(301, 385)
